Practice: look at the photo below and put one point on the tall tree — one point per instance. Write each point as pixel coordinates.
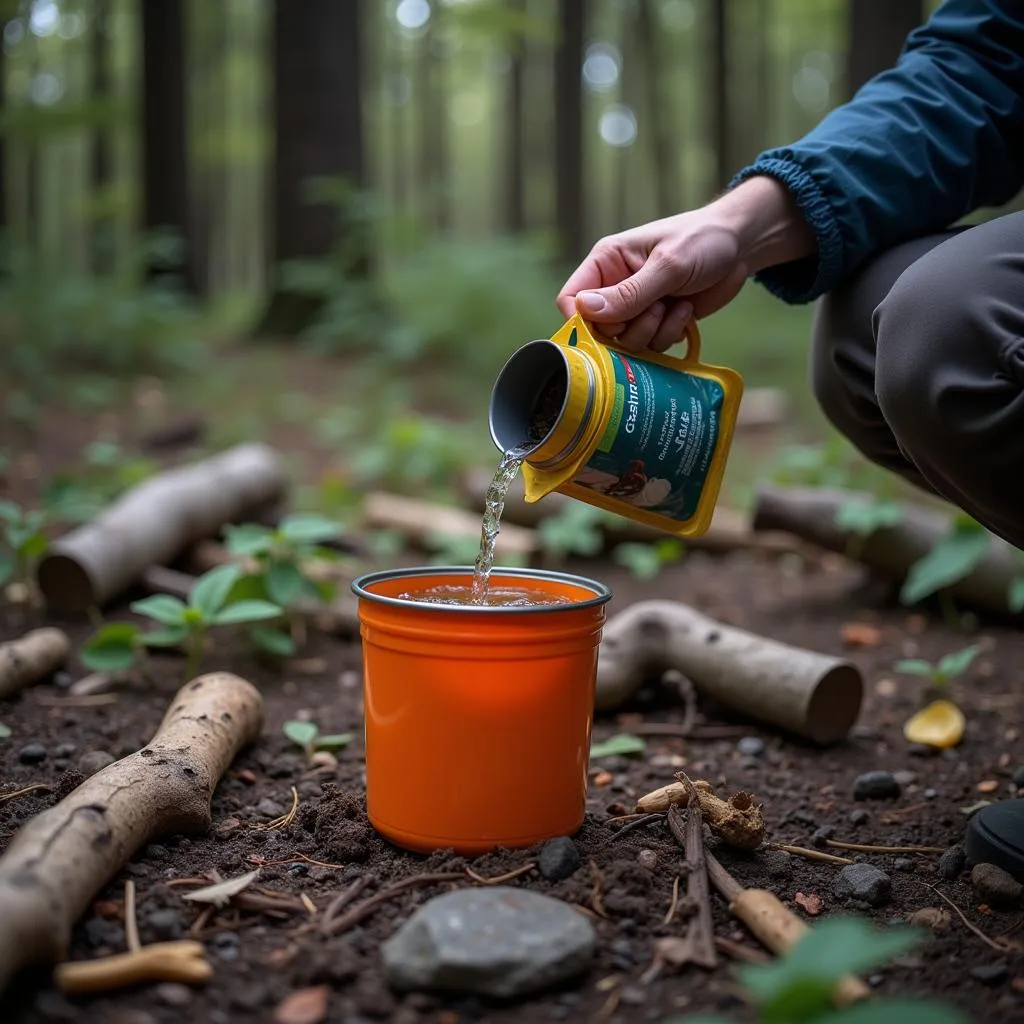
(101, 162)
(877, 30)
(164, 131)
(569, 183)
(718, 89)
(318, 134)
(659, 113)
(432, 97)
(515, 199)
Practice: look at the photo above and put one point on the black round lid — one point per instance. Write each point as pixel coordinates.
(995, 835)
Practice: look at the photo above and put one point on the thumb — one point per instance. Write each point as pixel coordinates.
(622, 302)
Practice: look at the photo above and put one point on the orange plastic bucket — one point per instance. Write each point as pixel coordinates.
(477, 718)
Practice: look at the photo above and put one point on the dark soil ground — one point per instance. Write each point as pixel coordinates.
(259, 959)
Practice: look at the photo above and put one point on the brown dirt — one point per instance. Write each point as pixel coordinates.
(259, 959)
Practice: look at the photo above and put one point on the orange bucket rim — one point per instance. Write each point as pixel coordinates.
(361, 588)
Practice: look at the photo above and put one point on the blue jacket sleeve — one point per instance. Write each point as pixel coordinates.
(919, 146)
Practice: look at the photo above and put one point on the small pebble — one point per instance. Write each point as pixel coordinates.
(875, 980)
(172, 994)
(935, 918)
(64, 750)
(62, 679)
(802, 817)
(93, 761)
(930, 794)
(994, 886)
(821, 836)
(647, 859)
(32, 753)
(907, 864)
(905, 778)
(863, 882)
(61, 764)
(952, 863)
(751, 746)
(164, 925)
(991, 974)
(558, 859)
(269, 808)
(876, 786)
(859, 817)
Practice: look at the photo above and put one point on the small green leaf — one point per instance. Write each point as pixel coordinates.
(865, 517)
(248, 539)
(898, 1011)
(301, 734)
(333, 742)
(642, 560)
(169, 637)
(5, 731)
(914, 667)
(247, 611)
(951, 560)
(114, 648)
(284, 582)
(163, 608)
(621, 744)
(274, 641)
(34, 545)
(211, 590)
(958, 662)
(309, 529)
(1015, 595)
(248, 588)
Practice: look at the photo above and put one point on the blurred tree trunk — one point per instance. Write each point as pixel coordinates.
(664, 127)
(434, 171)
(569, 184)
(877, 30)
(164, 133)
(718, 90)
(318, 134)
(515, 200)
(102, 240)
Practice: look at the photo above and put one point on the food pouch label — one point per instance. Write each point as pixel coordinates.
(660, 439)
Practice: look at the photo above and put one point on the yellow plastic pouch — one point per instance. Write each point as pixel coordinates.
(646, 437)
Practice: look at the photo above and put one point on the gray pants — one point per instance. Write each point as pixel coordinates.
(919, 361)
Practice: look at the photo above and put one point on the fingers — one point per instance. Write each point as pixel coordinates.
(712, 299)
(627, 300)
(673, 324)
(639, 332)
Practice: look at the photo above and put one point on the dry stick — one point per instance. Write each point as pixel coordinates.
(59, 860)
(816, 696)
(632, 826)
(738, 951)
(596, 901)
(92, 700)
(673, 905)
(773, 924)
(131, 924)
(5, 797)
(867, 848)
(363, 910)
(32, 658)
(700, 932)
(342, 900)
(974, 929)
(182, 961)
(502, 879)
(818, 855)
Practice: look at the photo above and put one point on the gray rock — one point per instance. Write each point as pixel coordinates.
(995, 887)
(269, 808)
(94, 761)
(907, 864)
(952, 863)
(876, 786)
(496, 941)
(164, 925)
(859, 817)
(558, 859)
(32, 753)
(751, 746)
(930, 794)
(863, 882)
(991, 974)
(647, 859)
(64, 750)
(777, 863)
(172, 994)
(905, 778)
(822, 835)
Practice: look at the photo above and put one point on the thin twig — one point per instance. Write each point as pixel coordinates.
(818, 855)
(363, 910)
(501, 879)
(342, 900)
(726, 885)
(867, 848)
(14, 794)
(638, 822)
(285, 819)
(992, 943)
(674, 903)
(96, 700)
(738, 951)
(131, 924)
(202, 920)
(700, 935)
(902, 812)
(596, 900)
(261, 863)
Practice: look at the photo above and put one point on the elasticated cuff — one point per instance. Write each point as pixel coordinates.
(806, 279)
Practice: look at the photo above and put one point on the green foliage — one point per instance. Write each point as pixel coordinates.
(108, 472)
(863, 518)
(945, 669)
(576, 530)
(5, 731)
(307, 735)
(645, 561)
(22, 542)
(954, 557)
(797, 988)
(622, 744)
(1015, 596)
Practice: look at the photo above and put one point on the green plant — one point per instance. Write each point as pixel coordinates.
(576, 530)
(24, 541)
(797, 988)
(208, 605)
(645, 561)
(622, 744)
(944, 670)
(307, 735)
(5, 731)
(953, 558)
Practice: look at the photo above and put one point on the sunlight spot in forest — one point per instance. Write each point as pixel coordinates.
(45, 89)
(468, 108)
(679, 14)
(601, 66)
(45, 18)
(821, 61)
(72, 25)
(412, 14)
(811, 89)
(14, 32)
(618, 125)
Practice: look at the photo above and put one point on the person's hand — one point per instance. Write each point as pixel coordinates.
(643, 286)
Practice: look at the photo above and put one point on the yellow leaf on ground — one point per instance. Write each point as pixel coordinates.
(940, 724)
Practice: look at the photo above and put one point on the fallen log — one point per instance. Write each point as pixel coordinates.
(57, 862)
(35, 656)
(419, 520)
(813, 695)
(890, 551)
(154, 522)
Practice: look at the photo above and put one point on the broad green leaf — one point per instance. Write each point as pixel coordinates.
(953, 558)
(248, 588)
(914, 667)
(284, 582)
(275, 641)
(211, 590)
(169, 637)
(5, 731)
(161, 608)
(301, 733)
(897, 1011)
(247, 611)
(621, 744)
(7, 564)
(308, 528)
(112, 648)
(642, 560)
(248, 539)
(320, 590)
(954, 664)
(1015, 595)
(335, 741)
(34, 545)
(865, 517)
(803, 998)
